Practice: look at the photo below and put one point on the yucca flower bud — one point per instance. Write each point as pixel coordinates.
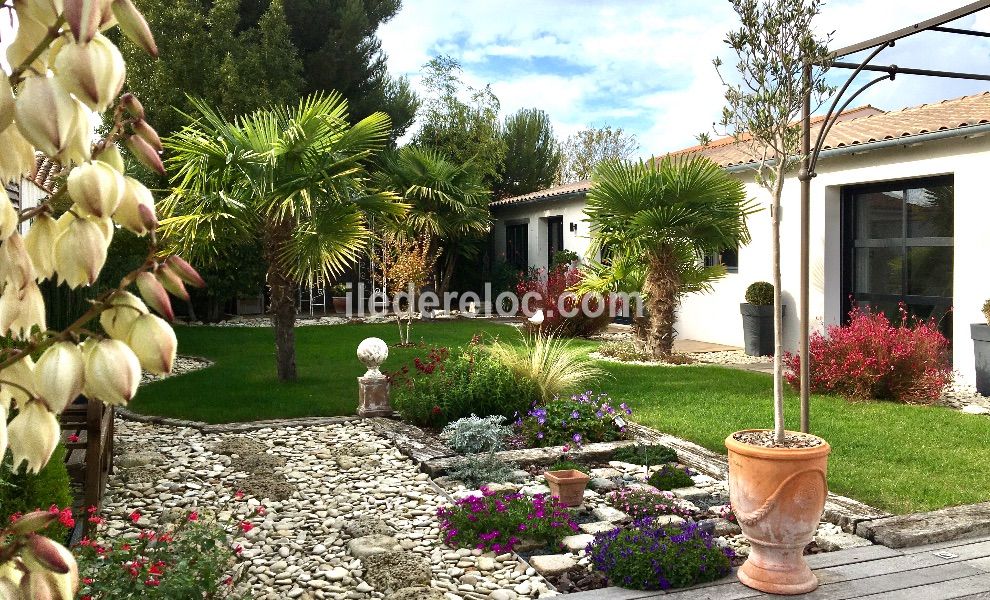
(9, 218)
(17, 157)
(97, 187)
(113, 372)
(21, 310)
(80, 252)
(43, 11)
(58, 375)
(30, 33)
(154, 343)
(4, 413)
(15, 263)
(83, 17)
(132, 105)
(40, 244)
(154, 295)
(32, 436)
(128, 214)
(171, 282)
(6, 103)
(134, 26)
(33, 522)
(42, 555)
(111, 155)
(53, 572)
(185, 271)
(124, 309)
(20, 373)
(93, 71)
(148, 134)
(145, 154)
(51, 120)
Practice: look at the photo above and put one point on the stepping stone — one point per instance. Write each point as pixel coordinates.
(918, 529)
(607, 513)
(606, 473)
(976, 409)
(597, 527)
(364, 526)
(552, 564)
(831, 542)
(533, 490)
(690, 493)
(602, 485)
(391, 571)
(577, 543)
(418, 593)
(372, 544)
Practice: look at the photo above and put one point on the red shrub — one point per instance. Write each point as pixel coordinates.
(550, 288)
(871, 358)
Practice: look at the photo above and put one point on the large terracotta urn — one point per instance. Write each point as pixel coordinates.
(777, 495)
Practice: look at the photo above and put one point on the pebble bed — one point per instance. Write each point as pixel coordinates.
(348, 516)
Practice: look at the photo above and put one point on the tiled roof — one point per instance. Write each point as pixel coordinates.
(46, 170)
(560, 190)
(867, 124)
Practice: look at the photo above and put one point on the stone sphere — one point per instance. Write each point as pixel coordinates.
(372, 352)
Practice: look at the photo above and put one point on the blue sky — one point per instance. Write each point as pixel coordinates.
(646, 66)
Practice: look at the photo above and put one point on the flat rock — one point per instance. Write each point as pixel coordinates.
(364, 526)
(391, 571)
(576, 543)
(918, 529)
(602, 485)
(137, 459)
(372, 544)
(720, 527)
(597, 527)
(976, 409)
(690, 493)
(667, 520)
(607, 513)
(417, 593)
(552, 564)
(831, 542)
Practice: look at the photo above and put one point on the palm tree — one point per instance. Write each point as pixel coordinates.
(294, 178)
(666, 215)
(446, 201)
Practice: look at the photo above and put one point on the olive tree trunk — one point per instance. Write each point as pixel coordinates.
(663, 291)
(283, 300)
(778, 312)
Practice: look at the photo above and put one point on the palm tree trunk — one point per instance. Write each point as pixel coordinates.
(446, 273)
(283, 297)
(663, 290)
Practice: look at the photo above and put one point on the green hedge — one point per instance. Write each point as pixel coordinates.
(23, 493)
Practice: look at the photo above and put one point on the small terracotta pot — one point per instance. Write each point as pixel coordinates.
(567, 485)
(340, 304)
(777, 495)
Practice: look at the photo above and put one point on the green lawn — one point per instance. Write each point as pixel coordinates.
(901, 458)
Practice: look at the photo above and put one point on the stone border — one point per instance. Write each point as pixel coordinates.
(232, 427)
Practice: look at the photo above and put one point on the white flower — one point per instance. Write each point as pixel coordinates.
(154, 343)
(8, 214)
(20, 373)
(17, 157)
(16, 268)
(32, 436)
(51, 120)
(40, 244)
(97, 187)
(128, 214)
(113, 372)
(6, 103)
(124, 309)
(21, 310)
(93, 71)
(58, 375)
(81, 251)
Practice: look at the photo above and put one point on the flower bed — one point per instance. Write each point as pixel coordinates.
(582, 418)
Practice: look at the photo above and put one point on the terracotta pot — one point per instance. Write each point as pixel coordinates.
(340, 304)
(567, 485)
(778, 495)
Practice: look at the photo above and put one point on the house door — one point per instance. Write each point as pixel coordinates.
(555, 237)
(898, 247)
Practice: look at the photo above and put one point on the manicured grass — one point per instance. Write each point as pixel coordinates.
(897, 457)
(894, 456)
(241, 386)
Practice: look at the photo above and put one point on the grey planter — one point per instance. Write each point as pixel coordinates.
(757, 328)
(981, 352)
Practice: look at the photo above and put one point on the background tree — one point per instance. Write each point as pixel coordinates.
(667, 215)
(293, 177)
(337, 42)
(405, 265)
(464, 131)
(447, 204)
(204, 53)
(588, 148)
(773, 44)
(532, 154)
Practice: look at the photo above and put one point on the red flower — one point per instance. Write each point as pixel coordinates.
(436, 410)
(228, 580)
(261, 510)
(239, 494)
(151, 582)
(87, 580)
(238, 549)
(193, 516)
(245, 526)
(134, 517)
(73, 437)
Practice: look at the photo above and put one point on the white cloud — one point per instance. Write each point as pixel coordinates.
(646, 66)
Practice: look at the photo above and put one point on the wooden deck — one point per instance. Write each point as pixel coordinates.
(958, 569)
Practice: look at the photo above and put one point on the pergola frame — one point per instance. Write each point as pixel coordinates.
(811, 150)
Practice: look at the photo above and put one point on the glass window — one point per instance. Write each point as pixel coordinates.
(517, 245)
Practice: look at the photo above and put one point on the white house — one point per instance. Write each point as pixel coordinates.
(885, 225)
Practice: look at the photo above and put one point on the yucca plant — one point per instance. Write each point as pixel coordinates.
(556, 366)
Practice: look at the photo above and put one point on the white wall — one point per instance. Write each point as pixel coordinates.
(536, 214)
(715, 317)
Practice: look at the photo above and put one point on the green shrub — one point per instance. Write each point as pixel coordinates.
(623, 350)
(474, 434)
(649, 557)
(477, 470)
(447, 385)
(22, 493)
(645, 455)
(670, 477)
(551, 362)
(563, 258)
(583, 418)
(986, 311)
(760, 293)
(497, 521)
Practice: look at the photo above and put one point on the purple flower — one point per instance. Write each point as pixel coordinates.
(577, 438)
(575, 415)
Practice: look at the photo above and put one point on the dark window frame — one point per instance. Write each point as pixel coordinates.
(728, 257)
(556, 222)
(516, 245)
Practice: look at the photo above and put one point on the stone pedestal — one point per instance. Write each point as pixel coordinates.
(373, 397)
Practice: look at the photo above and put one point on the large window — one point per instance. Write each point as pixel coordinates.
(898, 247)
(517, 245)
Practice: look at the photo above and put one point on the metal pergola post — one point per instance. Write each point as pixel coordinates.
(810, 151)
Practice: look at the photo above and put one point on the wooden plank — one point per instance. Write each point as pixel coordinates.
(892, 582)
(852, 555)
(614, 593)
(944, 545)
(727, 591)
(898, 564)
(943, 590)
(982, 564)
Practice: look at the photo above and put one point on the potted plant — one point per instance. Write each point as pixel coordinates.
(757, 317)
(981, 351)
(567, 480)
(339, 294)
